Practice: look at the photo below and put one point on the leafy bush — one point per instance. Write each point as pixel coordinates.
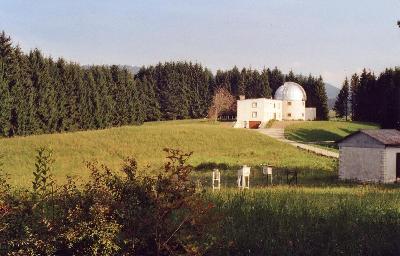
(113, 213)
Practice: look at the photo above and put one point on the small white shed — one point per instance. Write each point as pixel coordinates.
(370, 156)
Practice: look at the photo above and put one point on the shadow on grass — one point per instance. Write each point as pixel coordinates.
(314, 135)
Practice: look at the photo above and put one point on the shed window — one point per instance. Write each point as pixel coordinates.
(254, 114)
(254, 105)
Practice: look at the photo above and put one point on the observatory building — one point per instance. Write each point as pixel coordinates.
(289, 103)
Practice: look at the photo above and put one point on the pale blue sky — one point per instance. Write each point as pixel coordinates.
(331, 38)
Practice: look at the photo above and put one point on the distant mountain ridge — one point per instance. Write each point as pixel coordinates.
(132, 69)
(332, 92)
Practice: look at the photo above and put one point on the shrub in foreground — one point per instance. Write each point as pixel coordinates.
(111, 214)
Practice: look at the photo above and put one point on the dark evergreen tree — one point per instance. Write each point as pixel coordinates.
(60, 80)
(24, 97)
(354, 85)
(5, 103)
(45, 102)
(290, 77)
(322, 100)
(265, 91)
(342, 101)
(275, 79)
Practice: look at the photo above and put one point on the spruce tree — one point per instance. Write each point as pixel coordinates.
(341, 104)
(322, 100)
(354, 86)
(234, 79)
(290, 77)
(45, 101)
(265, 88)
(60, 82)
(275, 79)
(23, 95)
(5, 103)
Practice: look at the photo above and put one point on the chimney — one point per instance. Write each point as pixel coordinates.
(242, 97)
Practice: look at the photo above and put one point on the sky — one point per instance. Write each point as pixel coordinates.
(329, 38)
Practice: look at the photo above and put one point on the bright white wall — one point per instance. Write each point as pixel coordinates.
(311, 114)
(390, 164)
(363, 164)
(266, 109)
(296, 109)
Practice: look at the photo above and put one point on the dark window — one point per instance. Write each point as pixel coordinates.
(398, 165)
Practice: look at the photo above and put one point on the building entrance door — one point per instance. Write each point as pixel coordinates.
(254, 124)
(397, 166)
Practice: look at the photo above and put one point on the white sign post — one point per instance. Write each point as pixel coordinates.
(267, 170)
(216, 179)
(244, 177)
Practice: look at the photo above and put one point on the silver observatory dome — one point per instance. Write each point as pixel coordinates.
(290, 91)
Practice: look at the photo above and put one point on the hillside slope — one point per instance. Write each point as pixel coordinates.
(210, 142)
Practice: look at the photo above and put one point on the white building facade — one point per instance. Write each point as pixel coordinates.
(288, 104)
(370, 156)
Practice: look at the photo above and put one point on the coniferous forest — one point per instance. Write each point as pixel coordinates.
(41, 95)
(368, 98)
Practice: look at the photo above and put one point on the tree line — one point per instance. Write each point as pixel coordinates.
(41, 95)
(255, 84)
(369, 98)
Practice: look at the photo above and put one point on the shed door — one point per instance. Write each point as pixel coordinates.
(398, 165)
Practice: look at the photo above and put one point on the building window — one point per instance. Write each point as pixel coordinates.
(289, 114)
(302, 114)
(254, 105)
(289, 103)
(274, 105)
(254, 114)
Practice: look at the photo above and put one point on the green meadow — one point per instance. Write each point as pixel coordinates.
(324, 133)
(213, 144)
(319, 216)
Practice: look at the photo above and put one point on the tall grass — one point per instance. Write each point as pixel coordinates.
(309, 221)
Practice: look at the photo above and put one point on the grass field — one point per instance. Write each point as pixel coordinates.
(323, 133)
(361, 220)
(212, 143)
(320, 216)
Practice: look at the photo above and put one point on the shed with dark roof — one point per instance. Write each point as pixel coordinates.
(370, 156)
